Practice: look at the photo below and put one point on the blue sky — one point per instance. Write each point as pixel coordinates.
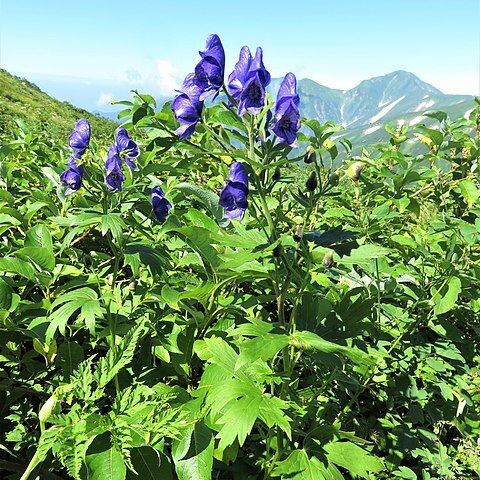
(91, 51)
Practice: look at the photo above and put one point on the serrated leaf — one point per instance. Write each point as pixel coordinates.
(354, 458)
(113, 222)
(120, 356)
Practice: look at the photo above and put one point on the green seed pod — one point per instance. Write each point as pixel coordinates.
(310, 155)
(328, 259)
(312, 182)
(277, 175)
(354, 171)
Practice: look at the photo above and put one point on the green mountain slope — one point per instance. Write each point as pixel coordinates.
(23, 100)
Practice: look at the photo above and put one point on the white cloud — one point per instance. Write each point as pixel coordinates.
(104, 99)
(166, 80)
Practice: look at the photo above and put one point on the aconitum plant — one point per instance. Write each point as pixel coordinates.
(160, 205)
(80, 137)
(287, 116)
(79, 141)
(233, 196)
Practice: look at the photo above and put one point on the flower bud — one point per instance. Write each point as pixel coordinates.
(277, 175)
(334, 178)
(310, 155)
(47, 409)
(328, 259)
(87, 261)
(277, 251)
(297, 236)
(355, 170)
(312, 182)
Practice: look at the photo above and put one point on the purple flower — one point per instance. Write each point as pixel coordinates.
(113, 165)
(248, 81)
(72, 176)
(160, 205)
(80, 137)
(210, 70)
(124, 142)
(233, 196)
(287, 116)
(238, 78)
(187, 107)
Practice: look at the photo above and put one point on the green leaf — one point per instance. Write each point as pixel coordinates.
(446, 298)
(113, 222)
(120, 356)
(469, 191)
(306, 340)
(207, 197)
(42, 258)
(354, 458)
(150, 464)
(193, 453)
(69, 356)
(299, 466)
(104, 462)
(365, 254)
(5, 295)
(38, 236)
(18, 266)
(405, 473)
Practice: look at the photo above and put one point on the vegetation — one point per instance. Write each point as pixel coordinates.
(332, 333)
(21, 100)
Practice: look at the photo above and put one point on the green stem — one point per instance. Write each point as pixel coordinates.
(31, 466)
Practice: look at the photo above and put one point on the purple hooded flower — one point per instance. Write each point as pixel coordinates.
(160, 205)
(72, 176)
(248, 81)
(287, 116)
(80, 137)
(187, 107)
(210, 70)
(124, 142)
(114, 177)
(233, 196)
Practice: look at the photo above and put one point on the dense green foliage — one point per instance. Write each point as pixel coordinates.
(21, 100)
(331, 334)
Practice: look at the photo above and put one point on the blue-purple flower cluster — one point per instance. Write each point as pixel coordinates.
(79, 140)
(73, 175)
(123, 143)
(246, 85)
(206, 80)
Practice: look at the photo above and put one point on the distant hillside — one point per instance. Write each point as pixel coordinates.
(21, 99)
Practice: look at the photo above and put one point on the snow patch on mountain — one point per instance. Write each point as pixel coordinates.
(385, 110)
(416, 120)
(370, 130)
(424, 105)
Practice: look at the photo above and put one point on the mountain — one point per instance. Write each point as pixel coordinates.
(396, 98)
(23, 100)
